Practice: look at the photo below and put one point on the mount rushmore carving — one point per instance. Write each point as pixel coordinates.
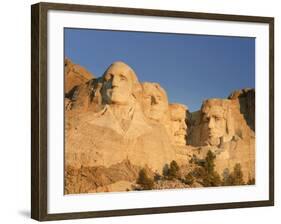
(115, 126)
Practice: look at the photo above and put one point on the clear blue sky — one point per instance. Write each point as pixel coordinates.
(191, 68)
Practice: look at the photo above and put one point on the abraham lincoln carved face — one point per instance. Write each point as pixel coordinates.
(216, 121)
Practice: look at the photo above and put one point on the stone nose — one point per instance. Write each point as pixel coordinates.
(114, 81)
(153, 100)
(211, 123)
(183, 125)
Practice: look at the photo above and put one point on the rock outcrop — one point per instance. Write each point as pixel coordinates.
(246, 102)
(118, 177)
(74, 75)
(115, 125)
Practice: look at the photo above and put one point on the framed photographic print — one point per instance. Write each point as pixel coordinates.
(140, 111)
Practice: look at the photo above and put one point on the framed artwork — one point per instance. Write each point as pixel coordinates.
(140, 111)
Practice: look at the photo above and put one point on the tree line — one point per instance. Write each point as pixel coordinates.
(203, 173)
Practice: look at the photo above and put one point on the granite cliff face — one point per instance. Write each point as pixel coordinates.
(115, 123)
(246, 103)
(74, 75)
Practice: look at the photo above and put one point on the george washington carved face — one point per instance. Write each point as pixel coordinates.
(216, 121)
(118, 83)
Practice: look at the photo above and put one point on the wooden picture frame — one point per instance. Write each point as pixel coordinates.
(39, 109)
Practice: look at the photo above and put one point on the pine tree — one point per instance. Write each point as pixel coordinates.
(189, 179)
(144, 181)
(237, 175)
(206, 171)
(227, 178)
(251, 181)
(173, 170)
(209, 164)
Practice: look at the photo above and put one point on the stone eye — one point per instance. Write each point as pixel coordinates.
(123, 78)
(206, 119)
(217, 118)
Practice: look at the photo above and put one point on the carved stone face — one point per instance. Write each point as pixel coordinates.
(118, 82)
(214, 121)
(155, 102)
(178, 123)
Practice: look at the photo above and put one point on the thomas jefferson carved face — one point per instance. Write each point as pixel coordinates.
(118, 83)
(216, 121)
(155, 101)
(178, 123)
